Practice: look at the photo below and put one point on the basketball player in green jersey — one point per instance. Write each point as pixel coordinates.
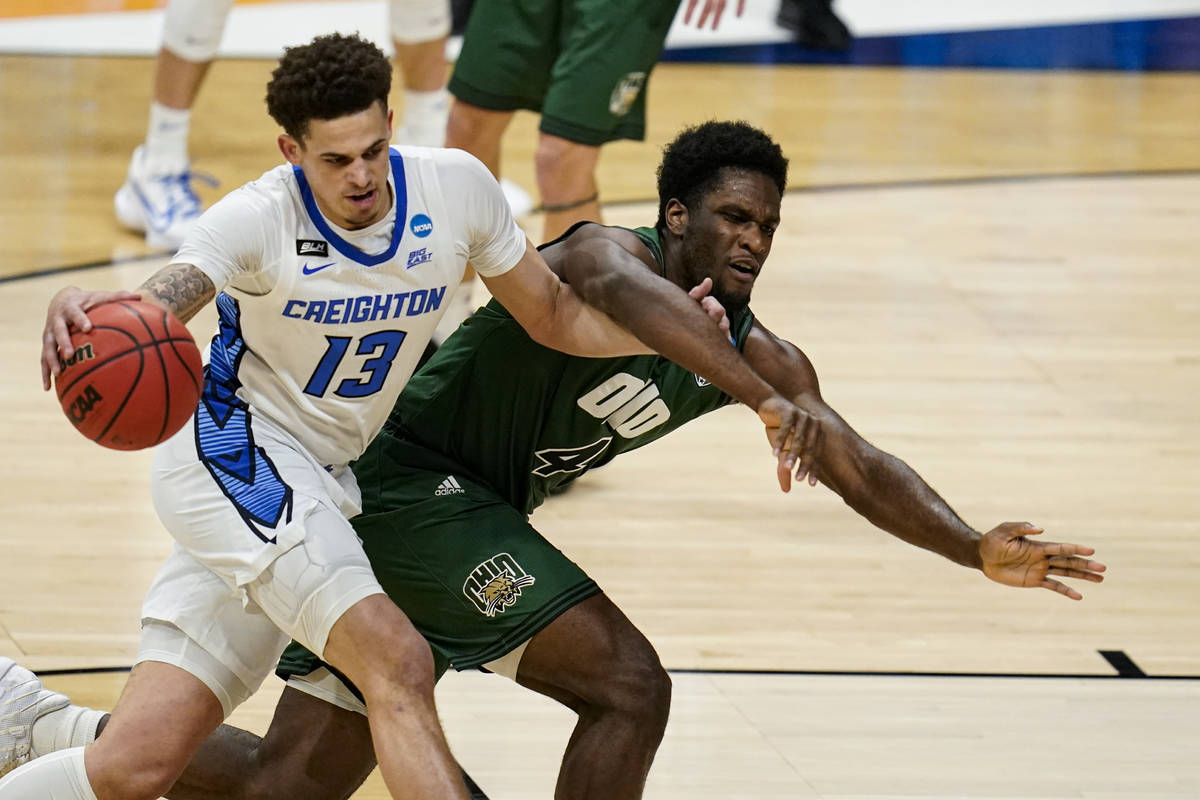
(494, 421)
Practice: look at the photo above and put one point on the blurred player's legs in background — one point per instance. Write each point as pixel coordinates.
(157, 196)
(582, 65)
(566, 177)
(419, 31)
(814, 24)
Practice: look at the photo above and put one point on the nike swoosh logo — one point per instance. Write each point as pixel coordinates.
(310, 270)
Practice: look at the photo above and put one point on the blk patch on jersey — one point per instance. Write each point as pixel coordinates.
(496, 584)
(312, 247)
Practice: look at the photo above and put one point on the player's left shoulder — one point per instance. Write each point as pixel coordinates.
(626, 239)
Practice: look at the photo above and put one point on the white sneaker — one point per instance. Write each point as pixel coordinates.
(519, 200)
(23, 700)
(160, 204)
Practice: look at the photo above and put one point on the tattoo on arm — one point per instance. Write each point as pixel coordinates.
(180, 288)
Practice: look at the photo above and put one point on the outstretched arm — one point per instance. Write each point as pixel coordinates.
(608, 276)
(612, 270)
(658, 313)
(893, 496)
(554, 315)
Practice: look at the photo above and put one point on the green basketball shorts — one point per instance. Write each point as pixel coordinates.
(467, 568)
(583, 64)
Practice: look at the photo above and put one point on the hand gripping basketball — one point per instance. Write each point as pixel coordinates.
(133, 379)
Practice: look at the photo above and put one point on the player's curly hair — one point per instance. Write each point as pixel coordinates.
(329, 77)
(691, 164)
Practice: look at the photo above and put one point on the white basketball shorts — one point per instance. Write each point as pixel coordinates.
(264, 549)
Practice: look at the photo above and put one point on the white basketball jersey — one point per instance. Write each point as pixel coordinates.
(317, 335)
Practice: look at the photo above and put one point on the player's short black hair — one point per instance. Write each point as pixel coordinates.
(329, 77)
(691, 164)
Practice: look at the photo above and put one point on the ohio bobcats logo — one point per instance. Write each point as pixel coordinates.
(496, 584)
(625, 92)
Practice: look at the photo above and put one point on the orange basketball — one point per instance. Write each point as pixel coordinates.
(135, 377)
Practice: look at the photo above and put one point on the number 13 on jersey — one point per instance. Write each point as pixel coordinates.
(381, 348)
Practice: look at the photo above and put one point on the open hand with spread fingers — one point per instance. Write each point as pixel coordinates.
(795, 437)
(1014, 560)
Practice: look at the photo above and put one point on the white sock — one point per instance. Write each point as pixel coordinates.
(425, 115)
(73, 726)
(58, 776)
(166, 138)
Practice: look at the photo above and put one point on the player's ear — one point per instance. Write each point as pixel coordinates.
(676, 216)
(290, 148)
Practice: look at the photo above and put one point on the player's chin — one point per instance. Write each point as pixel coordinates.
(734, 293)
(358, 212)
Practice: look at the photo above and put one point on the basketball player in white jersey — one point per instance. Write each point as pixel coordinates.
(157, 196)
(332, 273)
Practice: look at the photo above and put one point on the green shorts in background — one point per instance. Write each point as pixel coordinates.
(583, 64)
(466, 567)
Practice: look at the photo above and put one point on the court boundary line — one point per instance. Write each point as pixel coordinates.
(915, 183)
(112, 262)
(67, 671)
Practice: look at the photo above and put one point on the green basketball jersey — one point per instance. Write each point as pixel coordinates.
(523, 419)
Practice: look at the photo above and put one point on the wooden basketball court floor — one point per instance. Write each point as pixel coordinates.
(996, 276)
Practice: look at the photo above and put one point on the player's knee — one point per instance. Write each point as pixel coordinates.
(636, 685)
(398, 660)
(566, 170)
(289, 784)
(472, 128)
(136, 774)
(647, 691)
(192, 29)
(407, 666)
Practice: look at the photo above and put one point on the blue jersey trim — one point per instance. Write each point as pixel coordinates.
(341, 245)
(224, 439)
(1130, 44)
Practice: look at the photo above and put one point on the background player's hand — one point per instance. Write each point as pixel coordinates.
(711, 305)
(714, 7)
(67, 312)
(795, 437)
(1010, 558)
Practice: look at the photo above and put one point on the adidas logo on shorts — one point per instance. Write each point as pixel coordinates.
(449, 486)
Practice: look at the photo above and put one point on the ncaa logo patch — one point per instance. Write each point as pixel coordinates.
(420, 225)
(496, 584)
